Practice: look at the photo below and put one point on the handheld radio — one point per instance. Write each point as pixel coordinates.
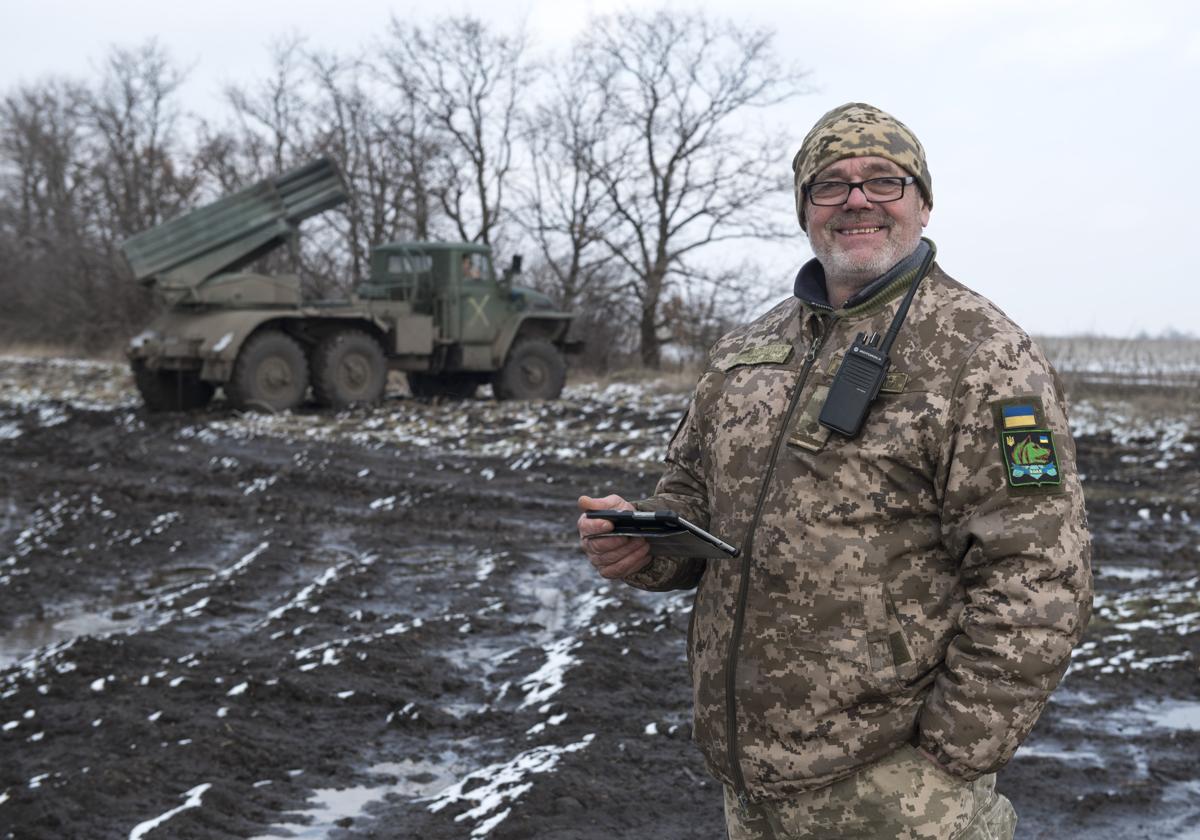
(864, 369)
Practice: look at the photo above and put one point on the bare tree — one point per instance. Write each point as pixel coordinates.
(468, 84)
(416, 144)
(269, 127)
(44, 209)
(42, 139)
(701, 309)
(85, 167)
(681, 166)
(564, 207)
(217, 161)
(135, 119)
(273, 114)
(309, 104)
(347, 132)
(140, 174)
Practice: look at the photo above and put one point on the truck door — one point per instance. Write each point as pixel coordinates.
(480, 307)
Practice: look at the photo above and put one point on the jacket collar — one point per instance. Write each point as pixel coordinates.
(810, 281)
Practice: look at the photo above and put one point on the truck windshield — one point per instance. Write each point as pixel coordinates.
(409, 263)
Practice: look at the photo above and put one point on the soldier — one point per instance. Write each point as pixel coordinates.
(907, 596)
(470, 271)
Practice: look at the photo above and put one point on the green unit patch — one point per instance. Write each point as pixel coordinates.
(1030, 458)
(1027, 449)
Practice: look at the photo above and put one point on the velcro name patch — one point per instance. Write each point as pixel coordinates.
(767, 354)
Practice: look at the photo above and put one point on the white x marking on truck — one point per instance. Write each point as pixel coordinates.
(479, 304)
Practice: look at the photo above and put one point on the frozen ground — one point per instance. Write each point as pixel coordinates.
(376, 624)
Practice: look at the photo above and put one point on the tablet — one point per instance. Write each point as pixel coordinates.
(669, 534)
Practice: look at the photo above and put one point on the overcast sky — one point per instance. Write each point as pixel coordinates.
(1047, 122)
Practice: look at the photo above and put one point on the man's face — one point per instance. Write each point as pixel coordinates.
(859, 240)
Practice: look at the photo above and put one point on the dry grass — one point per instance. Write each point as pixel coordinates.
(1160, 374)
(51, 350)
(1153, 377)
(671, 380)
(1143, 360)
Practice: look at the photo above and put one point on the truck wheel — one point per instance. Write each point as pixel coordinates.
(534, 370)
(171, 390)
(458, 386)
(348, 368)
(270, 373)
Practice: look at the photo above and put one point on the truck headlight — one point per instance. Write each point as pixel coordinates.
(143, 338)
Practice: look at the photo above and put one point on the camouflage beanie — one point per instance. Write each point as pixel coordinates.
(858, 130)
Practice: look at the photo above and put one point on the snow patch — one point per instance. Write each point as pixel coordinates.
(548, 680)
(194, 797)
(494, 787)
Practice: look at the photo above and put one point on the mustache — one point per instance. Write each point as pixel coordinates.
(860, 218)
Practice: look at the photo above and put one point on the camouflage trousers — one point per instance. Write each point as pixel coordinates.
(903, 796)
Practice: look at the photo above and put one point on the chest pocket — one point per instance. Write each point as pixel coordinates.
(753, 389)
(754, 384)
(807, 432)
(744, 397)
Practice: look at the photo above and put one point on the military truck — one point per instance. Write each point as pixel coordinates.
(436, 310)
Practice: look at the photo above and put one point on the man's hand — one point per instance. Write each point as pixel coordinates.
(613, 557)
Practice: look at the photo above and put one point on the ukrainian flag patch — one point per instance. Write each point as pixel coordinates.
(1020, 416)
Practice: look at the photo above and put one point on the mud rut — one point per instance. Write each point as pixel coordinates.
(216, 626)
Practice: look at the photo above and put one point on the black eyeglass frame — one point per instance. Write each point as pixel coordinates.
(905, 180)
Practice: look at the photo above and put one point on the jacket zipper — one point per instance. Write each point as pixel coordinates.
(739, 781)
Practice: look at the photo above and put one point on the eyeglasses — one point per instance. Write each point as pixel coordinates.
(879, 190)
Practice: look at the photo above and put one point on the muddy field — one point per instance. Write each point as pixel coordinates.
(377, 624)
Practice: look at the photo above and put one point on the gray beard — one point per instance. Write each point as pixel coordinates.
(854, 273)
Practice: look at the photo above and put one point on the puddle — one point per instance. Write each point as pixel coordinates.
(1084, 712)
(8, 514)
(555, 581)
(165, 585)
(1185, 794)
(1052, 750)
(178, 576)
(1185, 791)
(1134, 574)
(483, 656)
(1068, 696)
(551, 610)
(33, 635)
(461, 711)
(1176, 716)
(408, 779)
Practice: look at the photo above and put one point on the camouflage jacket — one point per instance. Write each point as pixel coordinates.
(924, 581)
